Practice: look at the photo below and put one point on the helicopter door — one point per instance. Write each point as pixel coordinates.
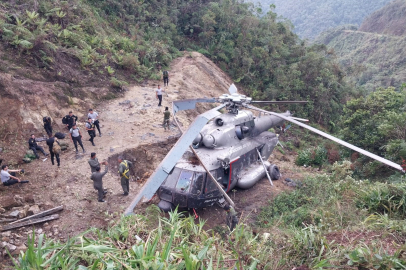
(182, 188)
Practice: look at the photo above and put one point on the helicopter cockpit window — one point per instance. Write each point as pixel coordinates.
(198, 183)
(170, 181)
(185, 179)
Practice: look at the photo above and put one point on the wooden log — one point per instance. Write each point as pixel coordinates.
(2, 220)
(29, 222)
(41, 214)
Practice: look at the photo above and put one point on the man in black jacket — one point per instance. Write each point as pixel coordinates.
(50, 143)
(69, 120)
(47, 125)
(32, 144)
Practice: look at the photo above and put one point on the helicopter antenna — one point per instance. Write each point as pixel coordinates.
(328, 136)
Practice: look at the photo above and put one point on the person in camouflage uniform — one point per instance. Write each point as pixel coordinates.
(167, 115)
(124, 171)
(231, 219)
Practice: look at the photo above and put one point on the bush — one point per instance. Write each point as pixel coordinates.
(312, 156)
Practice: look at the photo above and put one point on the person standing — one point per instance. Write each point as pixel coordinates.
(231, 219)
(8, 177)
(69, 120)
(124, 171)
(165, 74)
(54, 153)
(93, 162)
(167, 115)
(158, 93)
(95, 117)
(76, 137)
(91, 130)
(32, 144)
(97, 178)
(47, 125)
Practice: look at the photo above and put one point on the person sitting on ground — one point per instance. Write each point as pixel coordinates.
(95, 117)
(8, 177)
(32, 144)
(97, 178)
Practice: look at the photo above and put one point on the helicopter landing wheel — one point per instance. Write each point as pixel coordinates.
(274, 172)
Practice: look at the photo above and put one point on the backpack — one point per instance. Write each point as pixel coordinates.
(56, 148)
(165, 74)
(65, 120)
(60, 135)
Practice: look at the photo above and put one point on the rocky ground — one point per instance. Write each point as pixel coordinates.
(131, 126)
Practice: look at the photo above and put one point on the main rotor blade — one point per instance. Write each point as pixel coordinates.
(280, 102)
(167, 164)
(188, 104)
(328, 136)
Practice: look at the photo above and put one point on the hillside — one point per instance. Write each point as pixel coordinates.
(389, 20)
(113, 43)
(310, 18)
(374, 54)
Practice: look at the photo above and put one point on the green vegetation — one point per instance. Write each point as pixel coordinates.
(132, 39)
(374, 54)
(377, 123)
(310, 18)
(329, 221)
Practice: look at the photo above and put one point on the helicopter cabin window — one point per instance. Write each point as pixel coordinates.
(198, 180)
(185, 180)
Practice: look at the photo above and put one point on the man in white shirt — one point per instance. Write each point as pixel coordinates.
(76, 137)
(8, 177)
(158, 93)
(95, 117)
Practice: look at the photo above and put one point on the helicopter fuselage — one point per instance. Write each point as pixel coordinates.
(228, 145)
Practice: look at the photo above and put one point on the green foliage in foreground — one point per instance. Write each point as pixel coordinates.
(308, 225)
(326, 209)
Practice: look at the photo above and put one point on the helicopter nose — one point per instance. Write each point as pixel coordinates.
(209, 141)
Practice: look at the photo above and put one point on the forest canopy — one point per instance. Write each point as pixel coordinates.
(260, 53)
(311, 17)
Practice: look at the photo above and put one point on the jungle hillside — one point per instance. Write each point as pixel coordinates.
(373, 54)
(310, 18)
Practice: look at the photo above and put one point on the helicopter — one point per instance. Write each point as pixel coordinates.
(220, 151)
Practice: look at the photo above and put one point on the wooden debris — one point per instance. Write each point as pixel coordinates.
(29, 222)
(41, 214)
(2, 220)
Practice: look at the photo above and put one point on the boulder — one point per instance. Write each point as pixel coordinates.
(7, 202)
(29, 199)
(33, 210)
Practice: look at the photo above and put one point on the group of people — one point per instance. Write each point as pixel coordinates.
(97, 175)
(8, 177)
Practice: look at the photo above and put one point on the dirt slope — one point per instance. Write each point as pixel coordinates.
(130, 124)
